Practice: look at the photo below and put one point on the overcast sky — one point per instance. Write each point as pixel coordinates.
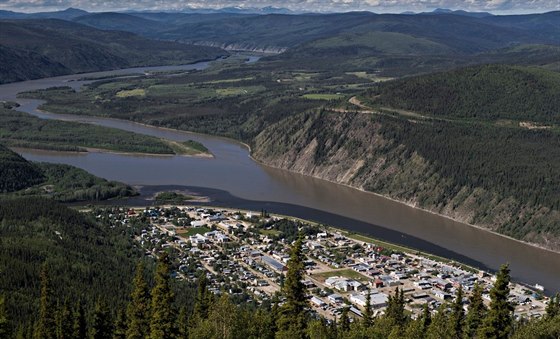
(395, 6)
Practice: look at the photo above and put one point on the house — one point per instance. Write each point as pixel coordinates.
(198, 223)
(335, 298)
(318, 302)
(275, 265)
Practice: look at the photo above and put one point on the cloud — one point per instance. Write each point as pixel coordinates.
(315, 5)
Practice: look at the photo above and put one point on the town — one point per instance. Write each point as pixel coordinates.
(245, 253)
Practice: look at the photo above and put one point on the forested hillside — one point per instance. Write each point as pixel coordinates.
(47, 47)
(86, 261)
(59, 182)
(497, 177)
(488, 92)
(16, 173)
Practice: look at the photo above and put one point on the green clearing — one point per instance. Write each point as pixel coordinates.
(172, 197)
(347, 273)
(273, 233)
(138, 92)
(322, 96)
(193, 230)
(230, 91)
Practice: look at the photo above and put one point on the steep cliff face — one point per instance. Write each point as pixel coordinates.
(369, 152)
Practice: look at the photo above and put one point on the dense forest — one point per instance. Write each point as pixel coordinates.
(19, 177)
(488, 92)
(16, 173)
(498, 177)
(52, 252)
(19, 129)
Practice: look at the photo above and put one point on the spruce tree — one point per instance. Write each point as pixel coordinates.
(4, 324)
(203, 300)
(79, 327)
(46, 325)
(395, 308)
(292, 317)
(368, 313)
(426, 317)
(499, 320)
(162, 321)
(458, 314)
(476, 312)
(183, 323)
(138, 310)
(344, 320)
(102, 324)
(553, 307)
(120, 325)
(64, 322)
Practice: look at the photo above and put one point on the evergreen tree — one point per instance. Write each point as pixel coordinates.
(440, 326)
(4, 324)
(183, 323)
(499, 320)
(395, 308)
(553, 307)
(162, 321)
(46, 326)
(476, 312)
(426, 318)
(203, 300)
(120, 325)
(458, 314)
(138, 310)
(368, 312)
(344, 320)
(102, 324)
(223, 317)
(292, 317)
(79, 327)
(64, 322)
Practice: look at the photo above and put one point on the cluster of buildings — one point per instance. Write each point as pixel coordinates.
(241, 256)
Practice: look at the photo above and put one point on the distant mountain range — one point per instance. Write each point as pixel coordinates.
(73, 40)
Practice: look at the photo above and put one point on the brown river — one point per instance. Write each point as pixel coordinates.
(231, 178)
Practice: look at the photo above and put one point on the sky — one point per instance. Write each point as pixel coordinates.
(380, 6)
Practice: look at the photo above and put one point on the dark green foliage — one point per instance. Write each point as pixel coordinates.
(78, 253)
(344, 320)
(498, 322)
(16, 173)
(476, 312)
(101, 325)
(458, 314)
(162, 313)
(64, 321)
(172, 197)
(395, 308)
(553, 307)
(488, 92)
(120, 326)
(5, 330)
(292, 316)
(19, 129)
(79, 327)
(138, 311)
(46, 325)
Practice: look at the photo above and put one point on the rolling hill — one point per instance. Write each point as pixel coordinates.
(488, 92)
(57, 47)
(16, 173)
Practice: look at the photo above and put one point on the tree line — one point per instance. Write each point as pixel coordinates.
(151, 312)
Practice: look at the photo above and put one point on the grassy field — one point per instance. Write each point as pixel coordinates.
(322, 96)
(138, 92)
(347, 273)
(193, 230)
